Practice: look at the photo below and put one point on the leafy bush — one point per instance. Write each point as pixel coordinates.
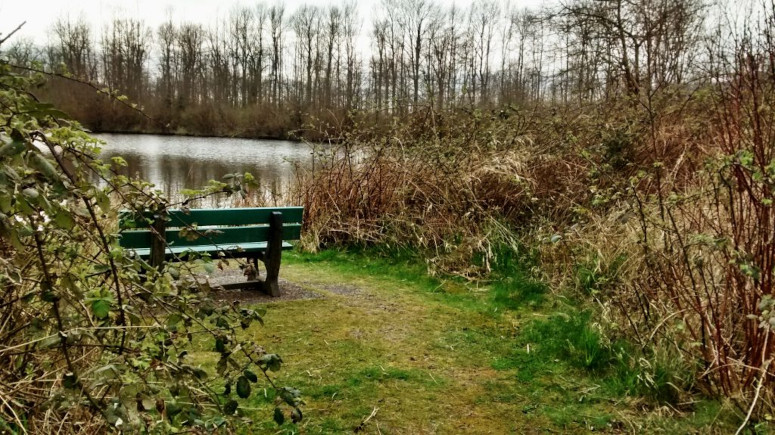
(92, 337)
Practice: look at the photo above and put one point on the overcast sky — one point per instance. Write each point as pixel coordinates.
(40, 13)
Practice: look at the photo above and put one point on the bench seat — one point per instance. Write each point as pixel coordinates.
(241, 250)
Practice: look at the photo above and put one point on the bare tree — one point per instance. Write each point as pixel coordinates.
(647, 43)
(125, 51)
(21, 51)
(483, 21)
(333, 34)
(350, 31)
(190, 41)
(414, 17)
(276, 14)
(306, 26)
(75, 48)
(166, 37)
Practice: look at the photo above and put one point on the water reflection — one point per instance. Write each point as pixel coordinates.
(174, 163)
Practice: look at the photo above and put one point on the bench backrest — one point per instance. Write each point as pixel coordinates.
(230, 226)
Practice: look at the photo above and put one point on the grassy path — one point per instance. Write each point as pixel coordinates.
(422, 356)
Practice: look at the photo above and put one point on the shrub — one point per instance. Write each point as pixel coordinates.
(93, 338)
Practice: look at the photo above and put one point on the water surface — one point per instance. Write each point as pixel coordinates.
(174, 163)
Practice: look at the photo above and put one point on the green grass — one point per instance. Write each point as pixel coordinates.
(432, 355)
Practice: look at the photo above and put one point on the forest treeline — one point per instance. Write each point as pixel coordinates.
(266, 71)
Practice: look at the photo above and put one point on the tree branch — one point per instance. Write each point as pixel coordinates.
(12, 32)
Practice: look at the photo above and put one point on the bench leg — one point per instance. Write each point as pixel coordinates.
(159, 240)
(274, 254)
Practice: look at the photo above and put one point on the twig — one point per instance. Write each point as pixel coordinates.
(362, 426)
(12, 32)
(758, 387)
(103, 239)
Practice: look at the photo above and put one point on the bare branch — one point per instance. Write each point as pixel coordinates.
(12, 32)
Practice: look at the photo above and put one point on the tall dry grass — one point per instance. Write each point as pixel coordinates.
(709, 242)
(659, 210)
(447, 184)
(662, 218)
(678, 245)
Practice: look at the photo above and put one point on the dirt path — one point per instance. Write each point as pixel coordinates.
(289, 291)
(386, 354)
(357, 345)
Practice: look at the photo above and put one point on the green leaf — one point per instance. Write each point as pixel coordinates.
(272, 361)
(119, 161)
(69, 380)
(101, 268)
(12, 148)
(148, 403)
(43, 165)
(279, 418)
(251, 376)
(100, 308)
(219, 421)
(231, 407)
(173, 409)
(30, 193)
(290, 395)
(243, 387)
(220, 345)
(174, 319)
(50, 341)
(49, 296)
(5, 203)
(64, 220)
(103, 201)
(199, 373)
(296, 415)
(221, 322)
(221, 367)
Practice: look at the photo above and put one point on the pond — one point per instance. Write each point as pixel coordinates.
(174, 163)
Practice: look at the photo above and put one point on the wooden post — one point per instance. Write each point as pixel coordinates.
(274, 252)
(158, 239)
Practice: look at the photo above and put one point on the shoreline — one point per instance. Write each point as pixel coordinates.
(287, 138)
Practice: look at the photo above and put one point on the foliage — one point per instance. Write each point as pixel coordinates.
(656, 206)
(91, 336)
(443, 184)
(706, 240)
(639, 177)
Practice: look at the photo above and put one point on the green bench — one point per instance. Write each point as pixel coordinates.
(252, 233)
